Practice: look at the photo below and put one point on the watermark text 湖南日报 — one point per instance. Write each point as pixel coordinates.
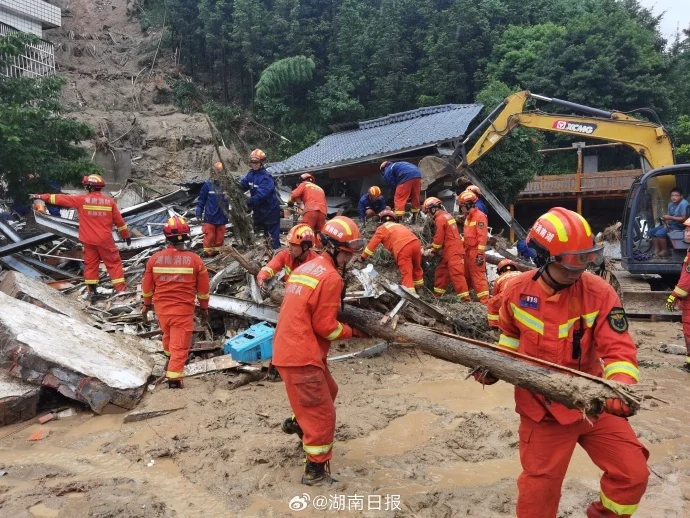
(337, 502)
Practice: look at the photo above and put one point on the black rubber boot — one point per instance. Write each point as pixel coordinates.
(175, 384)
(316, 472)
(290, 426)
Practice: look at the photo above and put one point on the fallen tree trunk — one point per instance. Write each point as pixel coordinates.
(572, 388)
(521, 265)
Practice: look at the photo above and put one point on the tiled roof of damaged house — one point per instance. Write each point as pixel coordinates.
(387, 135)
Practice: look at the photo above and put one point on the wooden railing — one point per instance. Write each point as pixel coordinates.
(567, 184)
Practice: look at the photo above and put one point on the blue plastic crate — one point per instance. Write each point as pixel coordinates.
(253, 344)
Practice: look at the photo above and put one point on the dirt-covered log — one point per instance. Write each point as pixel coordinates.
(573, 389)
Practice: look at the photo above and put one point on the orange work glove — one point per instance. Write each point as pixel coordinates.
(615, 406)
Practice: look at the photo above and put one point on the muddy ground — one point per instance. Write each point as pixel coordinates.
(409, 426)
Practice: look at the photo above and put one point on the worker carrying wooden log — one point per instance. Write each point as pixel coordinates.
(569, 317)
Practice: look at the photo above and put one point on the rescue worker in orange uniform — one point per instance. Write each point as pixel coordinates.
(300, 240)
(403, 244)
(97, 215)
(213, 207)
(313, 199)
(306, 326)
(476, 234)
(567, 316)
(448, 243)
(175, 278)
(406, 179)
(680, 294)
(507, 269)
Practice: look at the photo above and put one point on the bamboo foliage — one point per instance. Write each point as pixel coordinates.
(281, 75)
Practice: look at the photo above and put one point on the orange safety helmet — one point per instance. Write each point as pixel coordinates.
(473, 188)
(467, 197)
(374, 191)
(218, 166)
(176, 229)
(306, 177)
(506, 265)
(687, 222)
(383, 165)
(386, 215)
(343, 234)
(93, 180)
(430, 203)
(301, 234)
(257, 154)
(565, 237)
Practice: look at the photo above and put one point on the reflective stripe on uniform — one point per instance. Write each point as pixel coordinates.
(287, 269)
(174, 375)
(367, 251)
(589, 318)
(439, 290)
(464, 294)
(317, 450)
(106, 208)
(452, 221)
(679, 292)
(470, 223)
(619, 509)
(507, 341)
(622, 367)
(91, 281)
(147, 295)
(202, 296)
(493, 317)
(305, 280)
(120, 229)
(399, 212)
(118, 281)
(268, 270)
(335, 334)
(481, 247)
(482, 294)
(526, 319)
(164, 269)
(419, 282)
(51, 199)
(436, 246)
(167, 353)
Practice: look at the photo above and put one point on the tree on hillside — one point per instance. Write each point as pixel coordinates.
(37, 146)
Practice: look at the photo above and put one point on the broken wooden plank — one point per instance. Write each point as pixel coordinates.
(243, 308)
(141, 416)
(572, 388)
(218, 363)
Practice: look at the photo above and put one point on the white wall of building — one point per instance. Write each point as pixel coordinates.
(30, 15)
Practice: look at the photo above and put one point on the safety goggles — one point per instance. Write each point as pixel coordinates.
(582, 259)
(254, 161)
(355, 246)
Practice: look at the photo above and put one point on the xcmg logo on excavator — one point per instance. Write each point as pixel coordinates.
(577, 127)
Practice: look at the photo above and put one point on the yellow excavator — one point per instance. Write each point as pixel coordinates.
(644, 279)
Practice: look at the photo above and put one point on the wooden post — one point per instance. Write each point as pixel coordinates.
(512, 215)
(578, 176)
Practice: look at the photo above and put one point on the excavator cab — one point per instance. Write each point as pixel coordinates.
(646, 203)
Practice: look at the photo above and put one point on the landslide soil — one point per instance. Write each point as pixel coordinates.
(408, 425)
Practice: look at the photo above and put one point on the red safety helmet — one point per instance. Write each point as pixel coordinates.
(301, 234)
(306, 177)
(430, 203)
(343, 234)
(176, 229)
(387, 215)
(565, 237)
(467, 197)
(383, 165)
(257, 154)
(374, 191)
(506, 265)
(93, 180)
(473, 188)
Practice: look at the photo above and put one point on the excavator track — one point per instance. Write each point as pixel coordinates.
(643, 296)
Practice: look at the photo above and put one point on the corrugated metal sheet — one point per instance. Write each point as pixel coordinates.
(383, 136)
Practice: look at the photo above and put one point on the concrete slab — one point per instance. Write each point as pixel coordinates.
(18, 400)
(39, 294)
(79, 361)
